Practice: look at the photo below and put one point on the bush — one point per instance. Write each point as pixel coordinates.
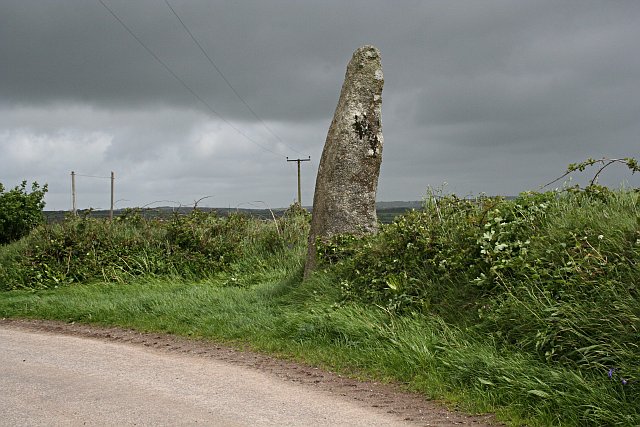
(554, 274)
(81, 249)
(20, 212)
(572, 297)
(205, 242)
(197, 245)
(425, 260)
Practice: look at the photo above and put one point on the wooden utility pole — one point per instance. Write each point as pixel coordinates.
(111, 210)
(298, 161)
(73, 193)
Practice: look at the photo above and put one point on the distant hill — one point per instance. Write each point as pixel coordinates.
(386, 211)
(165, 212)
(413, 204)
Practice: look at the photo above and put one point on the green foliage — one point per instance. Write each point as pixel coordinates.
(20, 211)
(269, 243)
(424, 261)
(82, 249)
(555, 275)
(196, 245)
(203, 241)
(630, 162)
(572, 297)
(302, 321)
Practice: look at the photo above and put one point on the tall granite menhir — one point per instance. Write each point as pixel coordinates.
(345, 195)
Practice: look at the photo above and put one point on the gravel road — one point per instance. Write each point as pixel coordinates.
(67, 375)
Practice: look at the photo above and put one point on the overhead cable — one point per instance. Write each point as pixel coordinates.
(93, 176)
(183, 83)
(213, 64)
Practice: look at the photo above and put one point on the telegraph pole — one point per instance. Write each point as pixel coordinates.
(298, 161)
(111, 210)
(73, 193)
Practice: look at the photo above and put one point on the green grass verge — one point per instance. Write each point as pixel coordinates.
(302, 321)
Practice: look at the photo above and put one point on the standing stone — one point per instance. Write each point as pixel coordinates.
(345, 196)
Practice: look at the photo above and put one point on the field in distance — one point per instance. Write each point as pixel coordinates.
(387, 211)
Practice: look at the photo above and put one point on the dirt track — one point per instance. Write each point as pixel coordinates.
(65, 374)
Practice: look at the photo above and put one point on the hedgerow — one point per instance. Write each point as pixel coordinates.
(196, 245)
(553, 274)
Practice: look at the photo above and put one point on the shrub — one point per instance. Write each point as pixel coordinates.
(425, 260)
(20, 211)
(553, 274)
(197, 245)
(203, 241)
(81, 249)
(572, 297)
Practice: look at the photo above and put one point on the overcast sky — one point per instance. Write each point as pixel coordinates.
(486, 96)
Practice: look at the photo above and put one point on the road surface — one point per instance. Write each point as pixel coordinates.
(48, 378)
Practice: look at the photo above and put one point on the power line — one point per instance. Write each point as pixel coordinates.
(93, 176)
(213, 64)
(183, 83)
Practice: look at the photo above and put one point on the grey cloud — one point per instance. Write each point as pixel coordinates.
(494, 96)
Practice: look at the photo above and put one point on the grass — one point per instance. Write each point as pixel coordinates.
(302, 323)
(510, 353)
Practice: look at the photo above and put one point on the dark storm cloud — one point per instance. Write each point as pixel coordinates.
(279, 55)
(492, 96)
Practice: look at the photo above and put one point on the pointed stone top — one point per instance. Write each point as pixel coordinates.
(369, 50)
(366, 60)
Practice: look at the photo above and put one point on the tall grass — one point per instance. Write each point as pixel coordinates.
(554, 275)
